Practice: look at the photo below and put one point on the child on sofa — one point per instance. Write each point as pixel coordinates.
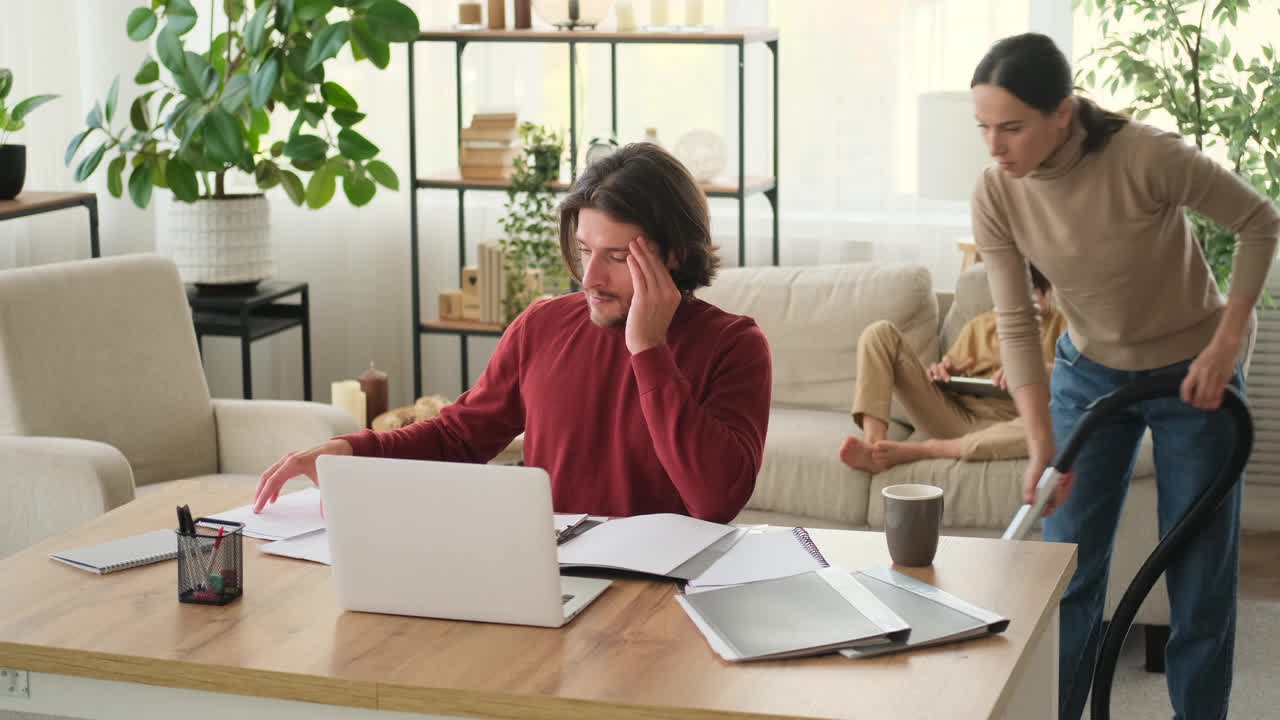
(967, 427)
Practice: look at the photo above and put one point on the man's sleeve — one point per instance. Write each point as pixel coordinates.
(711, 449)
(474, 429)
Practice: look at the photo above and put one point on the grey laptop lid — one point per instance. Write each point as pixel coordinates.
(442, 540)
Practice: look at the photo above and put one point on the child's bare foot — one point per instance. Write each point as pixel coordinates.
(856, 453)
(887, 454)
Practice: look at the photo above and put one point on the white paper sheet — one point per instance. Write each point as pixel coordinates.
(313, 546)
(291, 515)
(565, 521)
(759, 556)
(655, 544)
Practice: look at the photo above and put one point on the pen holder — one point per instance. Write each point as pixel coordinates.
(211, 568)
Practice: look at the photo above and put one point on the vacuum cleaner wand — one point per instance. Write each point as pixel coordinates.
(1149, 388)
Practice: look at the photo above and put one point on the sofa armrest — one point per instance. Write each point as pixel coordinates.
(252, 434)
(49, 485)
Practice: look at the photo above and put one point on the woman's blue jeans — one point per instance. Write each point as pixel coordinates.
(1190, 447)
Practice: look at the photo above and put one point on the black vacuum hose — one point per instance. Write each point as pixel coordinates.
(1149, 388)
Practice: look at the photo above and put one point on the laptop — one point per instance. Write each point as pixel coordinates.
(456, 541)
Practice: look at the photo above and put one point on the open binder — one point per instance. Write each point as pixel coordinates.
(813, 613)
(935, 616)
(664, 544)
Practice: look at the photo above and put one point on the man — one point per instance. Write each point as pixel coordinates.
(964, 427)
(633, 395)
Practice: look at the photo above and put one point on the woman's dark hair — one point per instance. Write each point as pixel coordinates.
(642, 184)
(1032, 68)
(1038, 280)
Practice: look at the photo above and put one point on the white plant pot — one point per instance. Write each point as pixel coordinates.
(217, 242)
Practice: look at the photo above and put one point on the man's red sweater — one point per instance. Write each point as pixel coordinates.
(678, 428)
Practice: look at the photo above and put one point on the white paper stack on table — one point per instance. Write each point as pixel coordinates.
(289, 516)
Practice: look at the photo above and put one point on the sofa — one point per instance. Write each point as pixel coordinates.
(102, 395)
(812, 317)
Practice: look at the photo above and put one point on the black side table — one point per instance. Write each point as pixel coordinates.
(35, 203)
(251, 316)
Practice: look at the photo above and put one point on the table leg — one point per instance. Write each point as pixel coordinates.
(466, 373)
(1035, 694)
(306, 346)
(246, 366)
(94, 248)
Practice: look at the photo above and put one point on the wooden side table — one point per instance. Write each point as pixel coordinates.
(35, 203)
(251, 316)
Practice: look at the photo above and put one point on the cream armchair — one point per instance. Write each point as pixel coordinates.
(102, 392)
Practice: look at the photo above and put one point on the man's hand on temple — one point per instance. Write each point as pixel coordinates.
(655, 301)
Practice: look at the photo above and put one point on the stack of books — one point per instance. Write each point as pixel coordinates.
(489, 146)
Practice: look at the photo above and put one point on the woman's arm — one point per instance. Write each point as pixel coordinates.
(1177, 173)
(1019, 330)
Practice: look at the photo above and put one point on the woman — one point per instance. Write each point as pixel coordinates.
(1096, 202)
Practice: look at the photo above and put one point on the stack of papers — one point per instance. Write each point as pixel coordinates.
(291, 515)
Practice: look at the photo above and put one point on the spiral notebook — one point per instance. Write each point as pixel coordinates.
(762, 555)
(122, 554)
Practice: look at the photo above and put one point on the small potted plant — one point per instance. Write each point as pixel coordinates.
(13, 158)
(531, 229)
(206, 110)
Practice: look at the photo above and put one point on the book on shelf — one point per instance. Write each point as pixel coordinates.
(487, 134)
(495, 120)
(483, 172)
(500, 157)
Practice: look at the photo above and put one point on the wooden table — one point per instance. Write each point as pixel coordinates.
(107, 646)
(35, 203)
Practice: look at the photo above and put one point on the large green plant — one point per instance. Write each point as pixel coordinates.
(1180, 60)
(207, 112)
(14, 119)
(531, 230)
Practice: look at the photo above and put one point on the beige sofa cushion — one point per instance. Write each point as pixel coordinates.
(104, 350)
(977, 494)
(802, 473)
(812, 317)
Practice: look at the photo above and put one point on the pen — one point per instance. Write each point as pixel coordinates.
(214, 555)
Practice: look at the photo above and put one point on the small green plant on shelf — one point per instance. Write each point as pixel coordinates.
(531, 263)
(14, 119)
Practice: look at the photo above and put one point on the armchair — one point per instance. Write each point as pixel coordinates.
(102, 392)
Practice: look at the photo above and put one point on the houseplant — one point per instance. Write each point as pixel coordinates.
(1179, 60)
(531, 261)
(207, 113)
(13, 158)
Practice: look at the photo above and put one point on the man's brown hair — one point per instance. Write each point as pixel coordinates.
(642, 184)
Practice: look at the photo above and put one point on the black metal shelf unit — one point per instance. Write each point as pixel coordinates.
(738, 188)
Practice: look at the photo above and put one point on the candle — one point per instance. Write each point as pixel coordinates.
(658, 13)
(626, 16)
(497, 14)
(693, 13)
(574, 12)
(346, 394)
(524, 14)
(373, 382)
(469, 13)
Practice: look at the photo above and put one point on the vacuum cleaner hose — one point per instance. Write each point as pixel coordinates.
(1176, 539)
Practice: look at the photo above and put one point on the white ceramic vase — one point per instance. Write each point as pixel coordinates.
(217, 242)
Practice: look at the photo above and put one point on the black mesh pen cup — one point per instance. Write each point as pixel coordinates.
(211, 562)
